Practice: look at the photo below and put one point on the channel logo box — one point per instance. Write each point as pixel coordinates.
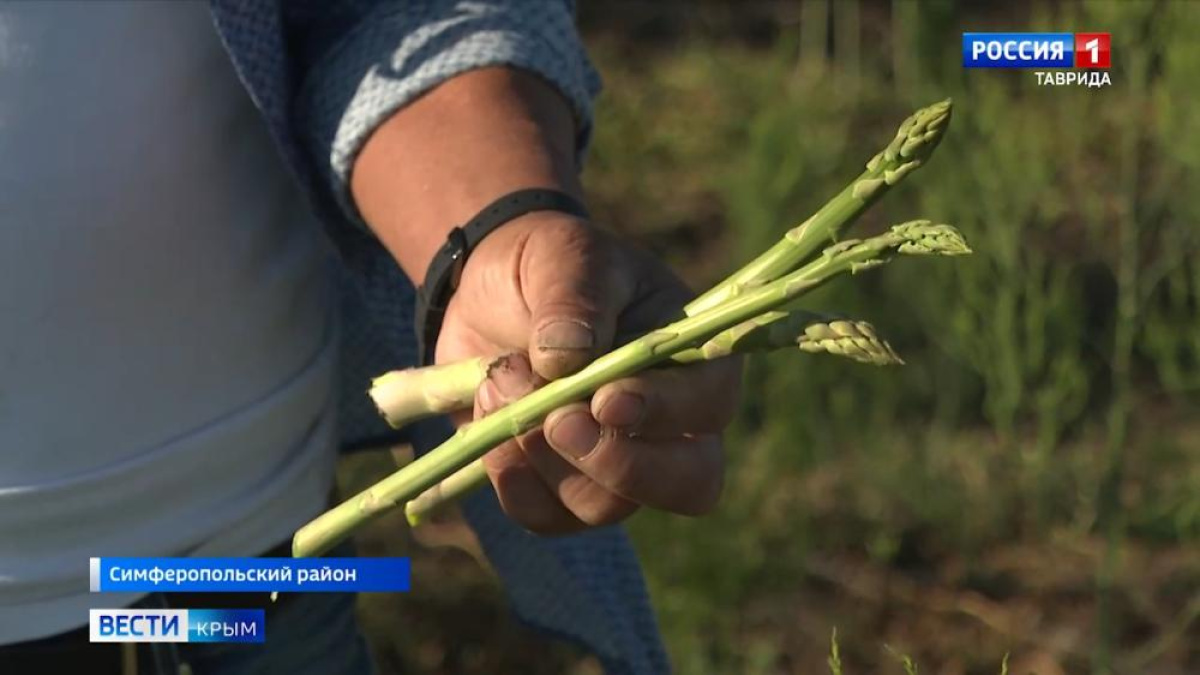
(1037, 50)
(1093, 50)
(177, 625)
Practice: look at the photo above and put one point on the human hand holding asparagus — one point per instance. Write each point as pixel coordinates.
(745, 312)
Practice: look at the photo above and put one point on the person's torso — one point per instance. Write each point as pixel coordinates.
(166, 343)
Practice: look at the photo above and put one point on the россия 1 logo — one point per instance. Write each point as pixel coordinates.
(1093, 50)
(1043, 50)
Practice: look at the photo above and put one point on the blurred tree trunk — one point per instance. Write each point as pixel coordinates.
(904, 24)
(814, 35)
(847, 42)
(925, 45)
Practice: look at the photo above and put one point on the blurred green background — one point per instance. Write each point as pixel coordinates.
(1030, 482)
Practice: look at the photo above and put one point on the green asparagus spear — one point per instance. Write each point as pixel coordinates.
(405, 396)
(912, 146)
(810, 331)
(473, 441)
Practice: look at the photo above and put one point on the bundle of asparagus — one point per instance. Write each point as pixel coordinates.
(746, 312)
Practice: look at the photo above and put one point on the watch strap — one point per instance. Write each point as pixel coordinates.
(442, 277)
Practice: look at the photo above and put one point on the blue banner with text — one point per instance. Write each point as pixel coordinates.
(282, 575)
(177, 625)
(1018, 50)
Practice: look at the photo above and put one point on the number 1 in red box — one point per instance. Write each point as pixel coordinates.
(1092, 50)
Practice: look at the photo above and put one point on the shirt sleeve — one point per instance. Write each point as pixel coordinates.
(368, 66)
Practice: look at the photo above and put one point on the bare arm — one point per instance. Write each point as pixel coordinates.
(435, 163)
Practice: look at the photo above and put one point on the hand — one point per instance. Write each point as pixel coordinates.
(552, 286)
(565, 292)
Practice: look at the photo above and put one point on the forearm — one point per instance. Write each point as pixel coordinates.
(443, 157)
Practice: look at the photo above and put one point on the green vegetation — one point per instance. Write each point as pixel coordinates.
(1030, 482)
(1044, 412)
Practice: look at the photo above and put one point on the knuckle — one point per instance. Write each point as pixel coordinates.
(627, 403)
(520, 497)
(538, 514)
(702, 493)
(696, 398)
(615, 465)
(547, 525)
(592, 503)
(601, 510)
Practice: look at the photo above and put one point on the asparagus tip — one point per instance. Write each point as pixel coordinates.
(922, 237)
(855, 340)
(919, 134)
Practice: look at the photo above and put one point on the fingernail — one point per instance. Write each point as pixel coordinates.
(511, 377)
(622, 410)
(575, 434)
(489, 398)
(566, 334)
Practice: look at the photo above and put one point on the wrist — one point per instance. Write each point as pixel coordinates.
(446, 267)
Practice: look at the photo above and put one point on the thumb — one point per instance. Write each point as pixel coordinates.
(573, 285)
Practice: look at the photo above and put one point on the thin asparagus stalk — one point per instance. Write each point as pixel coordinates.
(454, 384)
(809, 331)
(405, 396)
(455, 486)
(912, 146)
(473, 441)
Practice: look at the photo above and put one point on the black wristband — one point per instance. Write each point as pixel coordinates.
(442, 277)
